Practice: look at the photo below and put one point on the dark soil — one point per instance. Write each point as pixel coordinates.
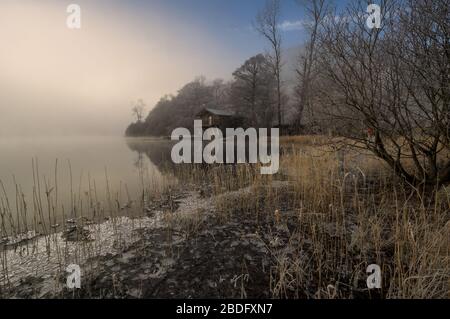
(222, 260)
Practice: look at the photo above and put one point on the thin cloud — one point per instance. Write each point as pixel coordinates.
(291, 25)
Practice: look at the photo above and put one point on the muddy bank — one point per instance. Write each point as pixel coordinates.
(217, 262)
(187, 253)
(191, 252)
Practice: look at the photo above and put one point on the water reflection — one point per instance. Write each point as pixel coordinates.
(73, 177)
(157, 151)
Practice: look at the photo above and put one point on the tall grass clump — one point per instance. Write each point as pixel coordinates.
(342, 211)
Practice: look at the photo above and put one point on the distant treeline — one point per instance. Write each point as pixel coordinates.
(251, 94)
(179, 110)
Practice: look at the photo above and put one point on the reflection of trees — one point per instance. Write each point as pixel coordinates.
(139, 161)
(157, 151)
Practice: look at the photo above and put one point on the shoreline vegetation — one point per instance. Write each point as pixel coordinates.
(225, 231)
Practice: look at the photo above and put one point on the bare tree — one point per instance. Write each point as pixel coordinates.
(253, 90)
(389, 88)
(316, 12)
(268, 25)
(138, 110)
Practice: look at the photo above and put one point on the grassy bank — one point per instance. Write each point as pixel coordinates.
(339, 211)
(308, 232)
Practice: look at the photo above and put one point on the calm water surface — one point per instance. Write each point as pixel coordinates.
(95, 164)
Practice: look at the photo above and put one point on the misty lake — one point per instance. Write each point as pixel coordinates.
(74, 170)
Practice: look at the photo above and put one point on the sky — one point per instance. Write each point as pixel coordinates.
(60, 81)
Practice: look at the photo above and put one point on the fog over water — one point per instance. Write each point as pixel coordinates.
(57, 81)
(66, 95)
